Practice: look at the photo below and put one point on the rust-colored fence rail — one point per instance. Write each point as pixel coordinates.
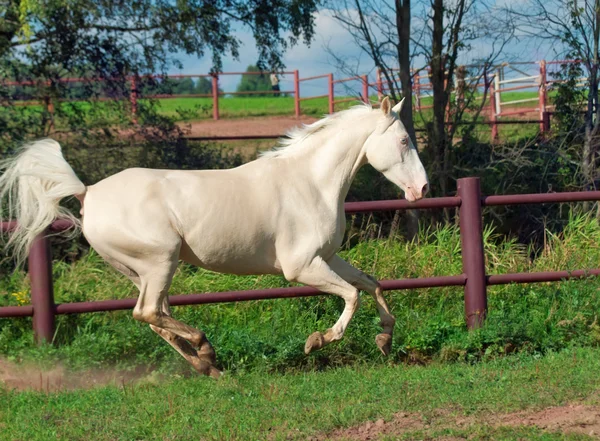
(474, 279)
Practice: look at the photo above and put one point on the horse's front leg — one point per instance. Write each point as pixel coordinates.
(367, 283)
(319, 275)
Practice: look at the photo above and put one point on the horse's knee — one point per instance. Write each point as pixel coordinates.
(151, 317)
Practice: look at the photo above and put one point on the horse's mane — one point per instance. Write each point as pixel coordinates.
(295, 136)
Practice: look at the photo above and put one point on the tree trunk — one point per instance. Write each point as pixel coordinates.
(437, 132)
(403, 49)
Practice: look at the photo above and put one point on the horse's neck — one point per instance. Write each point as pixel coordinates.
(335, 163)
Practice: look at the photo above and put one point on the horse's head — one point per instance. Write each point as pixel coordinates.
(390, 150)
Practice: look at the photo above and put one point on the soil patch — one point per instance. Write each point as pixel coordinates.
(256, 126)
(21, 377)
(575, 418)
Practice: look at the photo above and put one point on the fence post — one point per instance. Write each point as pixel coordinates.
(133, 98)
(365, 88)
(417, 87)
(215, 96)
(471, 236)
(543, 97)
(42, 296)
(331, 95)
(493, 117)
(297, 93)
(497, 93)
(379, 85)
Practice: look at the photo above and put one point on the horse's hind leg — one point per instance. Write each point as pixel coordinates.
(365, 282)
(152, 307)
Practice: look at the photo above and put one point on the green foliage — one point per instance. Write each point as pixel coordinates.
(204, 86)
(42, 43)
(570, 98)
(254, 83)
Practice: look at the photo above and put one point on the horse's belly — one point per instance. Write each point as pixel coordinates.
(233, 257)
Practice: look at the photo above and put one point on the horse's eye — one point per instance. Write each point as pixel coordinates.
(404, 141)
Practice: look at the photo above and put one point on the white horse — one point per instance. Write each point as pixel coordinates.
(281, 214)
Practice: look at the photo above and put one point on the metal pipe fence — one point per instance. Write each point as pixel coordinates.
(474, 279)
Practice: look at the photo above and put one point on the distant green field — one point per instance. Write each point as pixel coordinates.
(236, 107)
(189, 109)
(198, 109)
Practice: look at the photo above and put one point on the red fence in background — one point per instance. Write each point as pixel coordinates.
(474, 278)
(491, 86)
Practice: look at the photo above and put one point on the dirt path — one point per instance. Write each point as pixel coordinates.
(22, 377)
(269, 126)
(575, 418)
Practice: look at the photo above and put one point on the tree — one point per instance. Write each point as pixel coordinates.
(203, 86)
(575, 27)
(254, 83)
(45, 41)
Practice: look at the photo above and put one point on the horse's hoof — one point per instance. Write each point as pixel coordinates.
(315, 341)
(384, 343)
(205, 368)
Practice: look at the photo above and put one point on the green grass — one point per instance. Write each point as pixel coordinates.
(255, 406)
(234, 107)
(538, 348)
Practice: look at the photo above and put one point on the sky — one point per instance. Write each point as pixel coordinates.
(315, 59)
(309, 61)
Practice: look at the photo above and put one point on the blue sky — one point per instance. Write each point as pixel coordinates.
(315, 60)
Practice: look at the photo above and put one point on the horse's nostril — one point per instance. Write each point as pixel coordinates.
(425, 189)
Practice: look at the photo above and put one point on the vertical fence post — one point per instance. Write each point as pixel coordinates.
(497, 93)
(365, 88)
(215, 96)
(133, 98)
(417, 87)
(331, 95)
(493, 117)
(42, 296)
(543, 97)
(379, 85)
(297, 93)
(471, 236)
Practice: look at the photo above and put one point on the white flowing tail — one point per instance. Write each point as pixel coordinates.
(31, 187)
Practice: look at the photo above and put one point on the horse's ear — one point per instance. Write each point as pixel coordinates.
(398, 107)
(386, 106)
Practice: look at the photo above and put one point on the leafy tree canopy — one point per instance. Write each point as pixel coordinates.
(47, 40)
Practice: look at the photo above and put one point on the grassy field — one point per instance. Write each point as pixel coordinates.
(189, 109)
(446, 401)
(236, 107)
(538, 348)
